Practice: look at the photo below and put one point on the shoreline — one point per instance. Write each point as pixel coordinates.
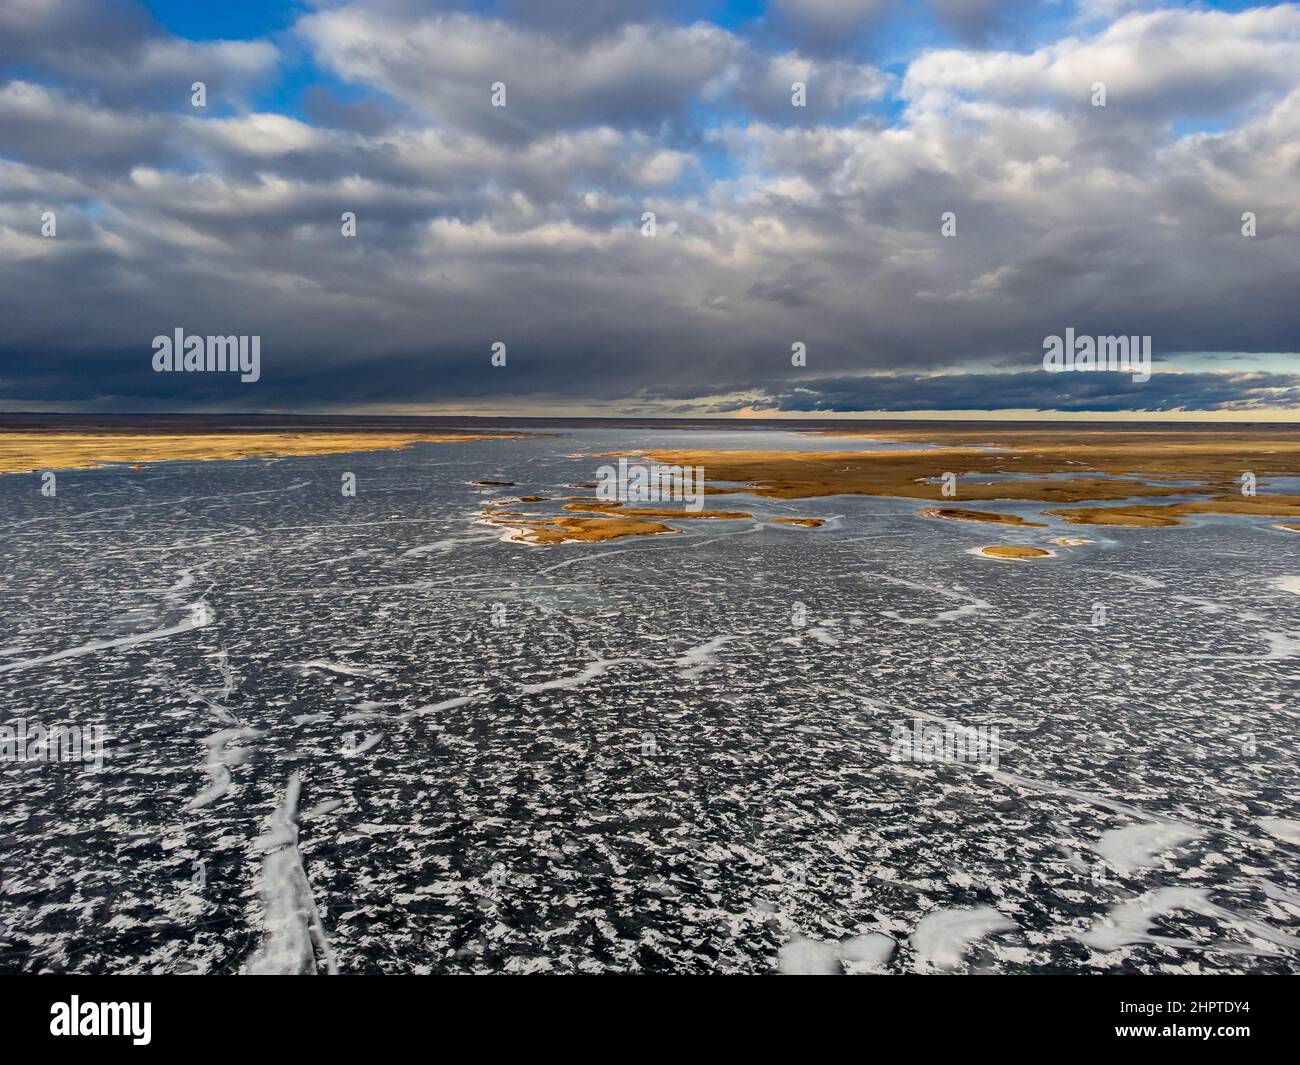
(1130, 478)
(1123, 477)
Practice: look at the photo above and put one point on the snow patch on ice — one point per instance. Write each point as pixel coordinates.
(943, 937)
(110, 645)
(218, 763)
(598, 668)
(1136, 846)
(351, 750)
(864, 953)
(1281, 828)
(294, 932)
(696, 660)
(447, 704)
(337, 667)
(1131, 922)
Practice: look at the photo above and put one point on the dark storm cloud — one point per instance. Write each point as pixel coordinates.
(772, 224)
(1040, 390)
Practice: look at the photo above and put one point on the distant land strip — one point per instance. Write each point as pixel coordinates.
(25, 452)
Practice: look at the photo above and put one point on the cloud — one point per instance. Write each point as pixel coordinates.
(54, 130)
(1040, 391)
(773, 224)
(116, 51)
(828, 26)
(975, 20)
(443, 67)
(1158, 65)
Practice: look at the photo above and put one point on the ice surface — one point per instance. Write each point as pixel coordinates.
(670, 756)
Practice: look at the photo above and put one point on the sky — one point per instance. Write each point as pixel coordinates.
(1111, 167)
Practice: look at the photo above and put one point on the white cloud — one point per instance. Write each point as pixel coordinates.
(443, 66)
(1160, 64)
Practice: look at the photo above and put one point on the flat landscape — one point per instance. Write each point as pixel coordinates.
(472, 718)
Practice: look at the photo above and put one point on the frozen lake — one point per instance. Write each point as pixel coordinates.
(367, 734)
